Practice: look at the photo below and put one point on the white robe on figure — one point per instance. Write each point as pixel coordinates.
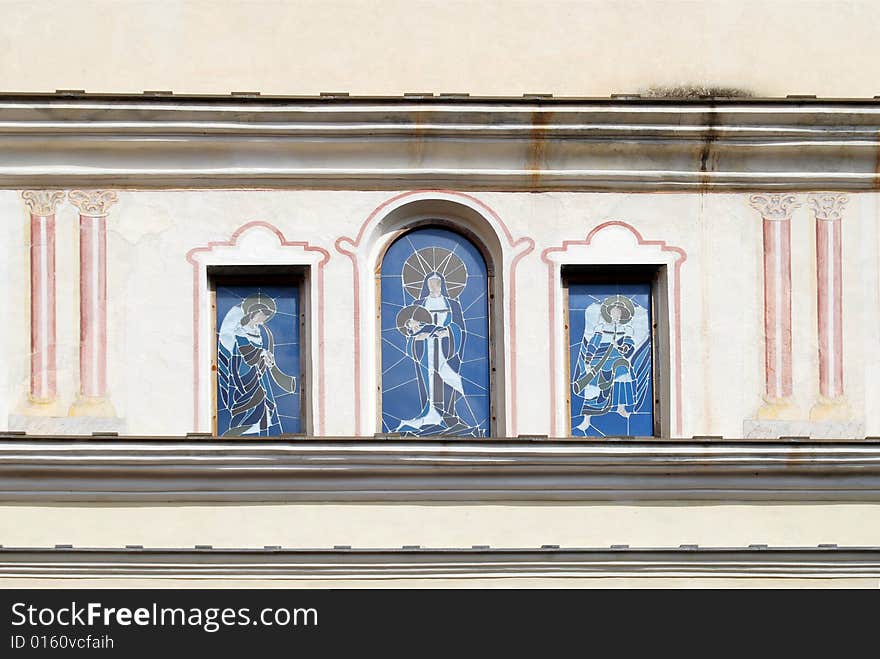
(439, 309)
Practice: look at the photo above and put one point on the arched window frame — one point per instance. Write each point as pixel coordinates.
(494, 309)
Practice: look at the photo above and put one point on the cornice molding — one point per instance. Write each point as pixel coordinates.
(478, 144)
(277, 563)
(53, 470)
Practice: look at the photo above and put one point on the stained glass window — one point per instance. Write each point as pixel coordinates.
(611, 360)
(258, 360)
(435, 336)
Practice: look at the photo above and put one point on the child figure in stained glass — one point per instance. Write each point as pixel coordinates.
(419, 324)
(248, 375)
(612, 370)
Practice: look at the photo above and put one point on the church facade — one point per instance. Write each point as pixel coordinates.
(439, 340)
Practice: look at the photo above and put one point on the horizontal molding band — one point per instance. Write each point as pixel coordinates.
(345, 470)
(364, 144)
(825, 562)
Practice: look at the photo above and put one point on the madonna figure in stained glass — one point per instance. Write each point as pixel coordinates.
(613, 369)
(435, 349)
(249, 380)
(434, 327)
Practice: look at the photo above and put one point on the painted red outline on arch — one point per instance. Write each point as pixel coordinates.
(355, 243)
(197, 307)
(676, 313)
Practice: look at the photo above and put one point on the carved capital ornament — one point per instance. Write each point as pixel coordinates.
(94, 203)
(774, 206)
(828, 207)
(42, 202)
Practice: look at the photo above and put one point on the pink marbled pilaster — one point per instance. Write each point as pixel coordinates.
(93, 206)
(829, 278)
(42, 204)
(776, 212)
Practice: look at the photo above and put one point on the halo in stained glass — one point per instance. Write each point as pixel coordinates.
(434, 259)
(627, 309)
(260, 298)
(412, 312)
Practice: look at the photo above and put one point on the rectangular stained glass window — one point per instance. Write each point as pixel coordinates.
(259, 373)
(611, 359)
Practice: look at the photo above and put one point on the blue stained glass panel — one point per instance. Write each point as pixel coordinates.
(435, 336)
(610, 360)
(258, 361)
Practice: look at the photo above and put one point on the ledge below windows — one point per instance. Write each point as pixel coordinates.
(114, 469)
(825, 561)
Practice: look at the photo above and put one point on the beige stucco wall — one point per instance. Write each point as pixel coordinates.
(496, 47)
(151, 307)
(493, 47)
(499, 525)
(505, 525)
(151, 304)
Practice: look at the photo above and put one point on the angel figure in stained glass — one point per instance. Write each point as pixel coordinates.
(613, 367)
(248, 377)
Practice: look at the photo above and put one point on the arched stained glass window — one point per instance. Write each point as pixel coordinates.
(435, 336)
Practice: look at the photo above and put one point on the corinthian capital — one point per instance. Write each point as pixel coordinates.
(828, 206)
(774, 206)
(94, 203)
(42, 202)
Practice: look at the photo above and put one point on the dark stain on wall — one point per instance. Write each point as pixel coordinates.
(696, 91)
(537, 149)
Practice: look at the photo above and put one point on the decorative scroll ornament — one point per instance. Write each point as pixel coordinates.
(94, 203)
(42, 202)
(828, 206)
(774, 206)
